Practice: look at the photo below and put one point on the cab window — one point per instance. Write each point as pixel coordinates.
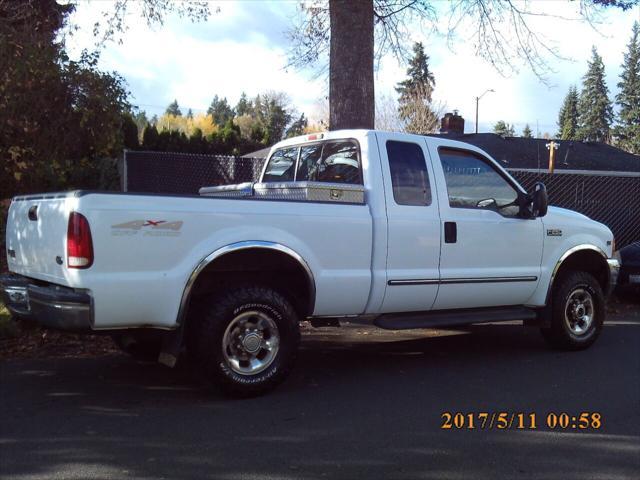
(472, 182)
(281, 166)
(331, 162)
(409, 177)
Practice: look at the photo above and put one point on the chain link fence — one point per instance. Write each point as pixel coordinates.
(612, 198)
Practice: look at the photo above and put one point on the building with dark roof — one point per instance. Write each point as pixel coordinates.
(532, 153)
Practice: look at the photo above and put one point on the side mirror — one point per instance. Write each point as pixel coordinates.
(540, 200)
(487, 203)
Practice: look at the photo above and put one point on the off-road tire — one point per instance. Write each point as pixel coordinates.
(207, 330)
(559, 334)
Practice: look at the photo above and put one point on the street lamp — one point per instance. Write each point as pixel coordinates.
(478, 100)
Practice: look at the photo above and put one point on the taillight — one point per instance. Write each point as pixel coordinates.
(79, 243)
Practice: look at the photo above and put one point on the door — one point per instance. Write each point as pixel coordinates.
(413, 248)
(490, 256)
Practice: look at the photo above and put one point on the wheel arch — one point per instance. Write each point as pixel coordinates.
(226, 252)
(587, 258)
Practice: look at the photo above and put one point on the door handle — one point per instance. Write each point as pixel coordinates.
(450, 232)
(33, 213)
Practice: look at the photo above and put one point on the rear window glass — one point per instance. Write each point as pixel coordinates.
(330, 162)
(281, 166)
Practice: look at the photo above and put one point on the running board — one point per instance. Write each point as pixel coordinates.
(452, 318)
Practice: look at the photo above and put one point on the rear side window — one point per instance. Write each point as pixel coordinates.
(409, 177)
(331, 162)
(281, 166)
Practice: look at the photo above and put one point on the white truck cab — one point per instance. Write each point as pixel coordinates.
(397, 230)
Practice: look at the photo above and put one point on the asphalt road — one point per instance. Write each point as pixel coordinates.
(360, 404)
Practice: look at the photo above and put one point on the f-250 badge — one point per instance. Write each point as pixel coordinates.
(152, 228)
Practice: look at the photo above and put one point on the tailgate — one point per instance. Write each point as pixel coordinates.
(36, 236)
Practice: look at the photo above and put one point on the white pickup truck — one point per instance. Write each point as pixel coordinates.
(395, 230)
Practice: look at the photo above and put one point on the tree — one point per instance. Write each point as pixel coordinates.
(220, 111)
(627, 131)
(595, 112)
(504, 129)
(140, 117)
(150, 138)
(345, 31)
(276, 118)
(414, 104)
(568, 116)
(244, 106)
(298, 127)
(351, 90)
(190, 114)
(526, 132)
(418, 73)
(173, 109)
(58, 118)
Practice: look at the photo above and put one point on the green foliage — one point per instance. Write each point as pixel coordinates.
(627, 131)
(568, 116)
(173, 109)
(297, 127)
(526, 132)
(244, 106)
(59, 119)
(274, 116)
(414, 104)
(504, 129)
(595, 112)
(129, 132)
(418, 73)
(220, 111)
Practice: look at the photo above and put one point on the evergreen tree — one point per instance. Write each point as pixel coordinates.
(129, 132)
(526, 132)
(275, 118)
(414, 104)
(150, 138)
(220, 111)
(627, 131)
(141, 120)
(244, 106)
(568, 116)
(190, 114)
(595, 112)
(173, 109)
(504, 129)
(297, 127)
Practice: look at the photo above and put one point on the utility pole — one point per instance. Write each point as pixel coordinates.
(478, 101)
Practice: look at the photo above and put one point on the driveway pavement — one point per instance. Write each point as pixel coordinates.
(361, 403)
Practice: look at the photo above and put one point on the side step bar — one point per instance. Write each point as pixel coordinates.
(451, 318)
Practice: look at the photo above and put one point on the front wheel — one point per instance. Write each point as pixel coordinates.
(577, 312)
(246, 339)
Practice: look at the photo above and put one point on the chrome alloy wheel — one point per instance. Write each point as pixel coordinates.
(250, 342)
(579, 311)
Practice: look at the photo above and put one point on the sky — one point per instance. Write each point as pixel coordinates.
(243, 48)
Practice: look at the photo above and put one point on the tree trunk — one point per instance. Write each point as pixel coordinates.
(351, 93)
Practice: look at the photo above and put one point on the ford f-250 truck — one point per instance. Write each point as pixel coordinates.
(396, 230)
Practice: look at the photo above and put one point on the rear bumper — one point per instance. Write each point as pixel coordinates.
(51, 306)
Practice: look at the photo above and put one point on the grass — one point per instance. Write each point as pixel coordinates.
(8, 327)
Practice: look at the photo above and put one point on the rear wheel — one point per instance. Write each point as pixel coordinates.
(245, 339)
(577, 312)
